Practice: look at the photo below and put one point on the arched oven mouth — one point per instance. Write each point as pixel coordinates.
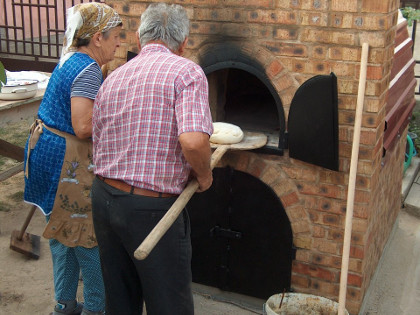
(241, 95)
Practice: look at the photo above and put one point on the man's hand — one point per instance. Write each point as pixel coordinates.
(204, 181)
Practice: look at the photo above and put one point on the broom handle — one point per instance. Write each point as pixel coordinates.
(27, 220)
(352, 180)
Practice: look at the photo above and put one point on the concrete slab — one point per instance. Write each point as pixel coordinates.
(395, 286)
(410, 175)
(212, 301)
(411, 203)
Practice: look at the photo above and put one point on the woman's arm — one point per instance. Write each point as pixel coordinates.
(81, 116)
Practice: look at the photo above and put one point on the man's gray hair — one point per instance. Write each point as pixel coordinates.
(168, 23)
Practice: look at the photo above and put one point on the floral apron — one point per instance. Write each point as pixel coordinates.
(70, 221)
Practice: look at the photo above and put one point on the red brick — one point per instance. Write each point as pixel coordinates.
(242, 162)
(344, 53)
(374, 72)
(287, 49)
(375, 6)
(325, 246)
(248, 3)
(256, 167)
(354, 294)
(300, 173)
(287, 4)
(373, 22)
(355, 265)
(346, 6)
(331, 177)
(289, 199)
(314, 5)
(341, 20)
(272, 16)
(318, 231)
(300, 227)
(274, 68)
(283, 188)
(331, 220)
(353, 279)
(375, 39)
(319, 52)
(300, 281)
(270, 175)
(285, 33)
(314, 18)
(364, 182)
(325, 190)
(332, 206)
(324, 288)
(317, 272)
(303, 255)
(212, 15)
(360, 224)
(283, 83)
(347, 86)
(356, 252)
(343, 69)
(296, 213)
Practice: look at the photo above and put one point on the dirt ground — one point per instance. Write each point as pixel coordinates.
(26, 285)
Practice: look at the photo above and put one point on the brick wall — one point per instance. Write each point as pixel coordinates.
(295, 40)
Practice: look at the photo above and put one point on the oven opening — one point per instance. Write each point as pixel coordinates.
(241, 98)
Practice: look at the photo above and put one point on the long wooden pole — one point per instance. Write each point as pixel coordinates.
(352, 180)
(172, 214)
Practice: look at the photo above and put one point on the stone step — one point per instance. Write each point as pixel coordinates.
(410, 176)
(410, 192)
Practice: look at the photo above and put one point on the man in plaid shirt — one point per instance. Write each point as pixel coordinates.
(151, 128)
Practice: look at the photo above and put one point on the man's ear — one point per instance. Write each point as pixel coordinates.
(138, 40)
(181, 48)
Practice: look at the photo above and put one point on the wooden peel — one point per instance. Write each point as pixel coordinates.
(251, 140)
(352, 180)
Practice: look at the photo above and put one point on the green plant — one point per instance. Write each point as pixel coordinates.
(415, 128)
(410, 14)
(3, 77)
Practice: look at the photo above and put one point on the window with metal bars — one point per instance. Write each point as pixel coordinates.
(31, 32)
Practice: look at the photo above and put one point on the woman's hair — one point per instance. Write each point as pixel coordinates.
(85, 41)
(83, 21)
(168, 23)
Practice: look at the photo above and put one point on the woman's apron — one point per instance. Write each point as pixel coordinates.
(70, 221)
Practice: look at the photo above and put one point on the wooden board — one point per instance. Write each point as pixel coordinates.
(250, 141)
(29, 245)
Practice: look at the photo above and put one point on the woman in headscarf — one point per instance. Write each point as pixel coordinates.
(58, 170)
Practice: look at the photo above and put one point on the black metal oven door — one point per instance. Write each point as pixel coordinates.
(241, 236)
(313, 122)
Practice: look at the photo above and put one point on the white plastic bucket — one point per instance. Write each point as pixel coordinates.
(300, 304)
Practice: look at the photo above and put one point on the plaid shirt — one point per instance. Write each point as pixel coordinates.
(140, 111)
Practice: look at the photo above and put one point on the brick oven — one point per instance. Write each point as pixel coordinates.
(274, 218)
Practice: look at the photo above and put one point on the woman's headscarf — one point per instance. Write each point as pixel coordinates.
(83, 21)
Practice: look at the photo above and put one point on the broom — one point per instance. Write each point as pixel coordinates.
(25, 243)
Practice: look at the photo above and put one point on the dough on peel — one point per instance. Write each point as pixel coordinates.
(225, 133)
